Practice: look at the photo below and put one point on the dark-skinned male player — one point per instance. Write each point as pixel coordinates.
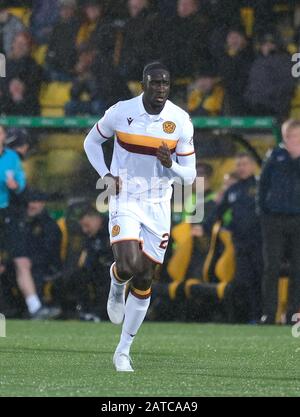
(153, 146)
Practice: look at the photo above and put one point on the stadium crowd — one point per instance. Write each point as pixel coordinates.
(95, 50)
(238, 62)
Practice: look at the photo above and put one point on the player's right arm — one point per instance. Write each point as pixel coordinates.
(102, 131)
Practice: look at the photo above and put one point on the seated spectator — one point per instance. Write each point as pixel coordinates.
(61, 54)
(18, 100)
(234, 66)
(185, 39)
(93, 16)
(35, 249)
(90, 287)
(138, 39)
(205, 94)
(86, 92)
(10, 26)
(270, 85)
(24, 77)
(43, 17)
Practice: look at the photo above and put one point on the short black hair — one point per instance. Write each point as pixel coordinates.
(155, 65)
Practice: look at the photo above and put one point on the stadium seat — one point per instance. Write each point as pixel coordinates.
(23, 13)
(135, 87)
(39, 54)
(53, 98)
(295, 103)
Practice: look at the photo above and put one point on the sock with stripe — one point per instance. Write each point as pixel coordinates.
(136, 307)
(116, 280)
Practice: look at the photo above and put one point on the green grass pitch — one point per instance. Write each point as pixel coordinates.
(170, 359)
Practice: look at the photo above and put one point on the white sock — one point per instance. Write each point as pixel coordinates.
(135, 312)
(118, 285)
(33, 303)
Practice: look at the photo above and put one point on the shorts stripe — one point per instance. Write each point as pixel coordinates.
(124, 239)
(185, 154)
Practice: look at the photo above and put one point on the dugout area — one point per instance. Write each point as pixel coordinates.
(58, 165)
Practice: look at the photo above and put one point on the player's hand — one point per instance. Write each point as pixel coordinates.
(164, 155)
(115, 184)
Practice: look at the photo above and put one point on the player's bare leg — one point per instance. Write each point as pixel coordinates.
(132, 263)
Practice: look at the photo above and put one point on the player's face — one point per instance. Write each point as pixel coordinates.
(157, 88)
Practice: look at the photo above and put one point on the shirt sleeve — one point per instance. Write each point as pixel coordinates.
(102, 130)
(19, 175)
(185, 144)
(107, 124)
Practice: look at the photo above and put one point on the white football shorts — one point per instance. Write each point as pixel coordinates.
(146, 222)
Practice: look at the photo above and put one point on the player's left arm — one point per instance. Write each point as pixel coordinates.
(185, 167)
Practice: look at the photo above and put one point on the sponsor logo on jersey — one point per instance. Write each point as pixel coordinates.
(169, 127)
(129, 120)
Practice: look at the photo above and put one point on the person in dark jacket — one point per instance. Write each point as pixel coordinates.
(93, 274)
(270, 85)
(10, 26)
(185, 40)
(234, 66)
(279, 206)
(61, 54)
(20, 89)
(139, 35)
(240, 198)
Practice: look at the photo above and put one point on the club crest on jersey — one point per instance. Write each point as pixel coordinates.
(115, 230)
(169, 127)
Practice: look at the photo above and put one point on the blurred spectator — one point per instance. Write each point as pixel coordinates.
(42, 239)
(246, 233)
(10, 26)
(185, 38)
(228, 180)
(12, 177)
(35, 248)
(279, 205)
(93, 21)
(61, 54)
(18, 100)
(270, 85)
(205, 94)
(139, 36)
(85, 83)
(234, 66)
(90, 286)
(18, 140)
(43, 17)
(20, 91)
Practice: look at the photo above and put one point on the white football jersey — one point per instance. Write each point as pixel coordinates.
(137, 136)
